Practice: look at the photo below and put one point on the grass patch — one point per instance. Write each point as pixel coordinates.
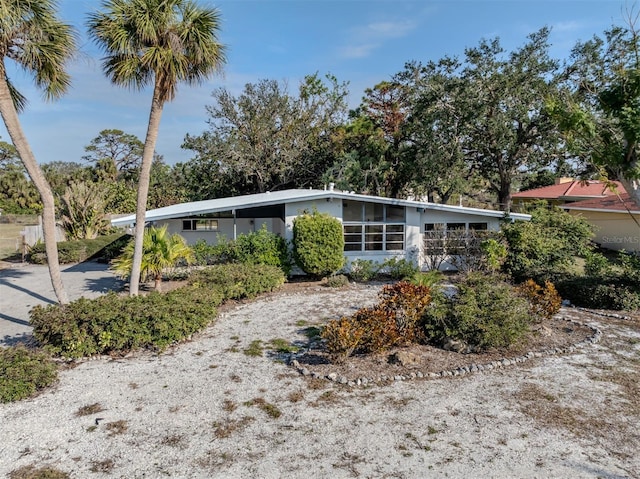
(116, 428)
(254, 349)
(33, 472)
(226, 428)
(281, 345)
(24, 372)
(89, 409)
(270, 409)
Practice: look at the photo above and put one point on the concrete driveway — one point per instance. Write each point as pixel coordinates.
(23, 286)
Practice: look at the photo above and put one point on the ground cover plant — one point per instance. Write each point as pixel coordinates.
(116, 324)
(24, 372)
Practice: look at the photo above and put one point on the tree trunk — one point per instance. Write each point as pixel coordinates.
(504, 195)
(633, 189)
(19, 140)
(143, 186)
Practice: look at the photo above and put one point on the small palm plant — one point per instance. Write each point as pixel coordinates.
(160, 251)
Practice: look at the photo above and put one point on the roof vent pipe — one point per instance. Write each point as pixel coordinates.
(331, 186)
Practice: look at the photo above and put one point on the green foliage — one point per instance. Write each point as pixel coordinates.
(318, 243)
(394, 320)
(337, 281)
(428, 278)
(236, 281)
(23, 372)
(495, 254)
(113, 324)
(487, 312)
(399, 269)
(363, 269)
(546, 246)
(262, 247)
(83, 210)
(600, 293)
(79, 250)
(596, 264)
(160, 251)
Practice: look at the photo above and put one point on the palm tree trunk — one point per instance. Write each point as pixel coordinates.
(19, 140)
(143, 186)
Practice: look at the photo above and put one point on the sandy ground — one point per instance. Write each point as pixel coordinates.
(205, 409)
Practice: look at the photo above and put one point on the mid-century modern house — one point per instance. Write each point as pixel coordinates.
(375, 228)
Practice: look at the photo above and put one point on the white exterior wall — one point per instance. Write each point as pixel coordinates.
(291, 210)
(225, 228)
(613, 230)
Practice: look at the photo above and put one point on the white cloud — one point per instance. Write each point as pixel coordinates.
(367, 38)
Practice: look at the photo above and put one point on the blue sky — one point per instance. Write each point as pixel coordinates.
(362, 42)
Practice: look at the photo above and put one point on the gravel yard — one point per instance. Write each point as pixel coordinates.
(225, 405)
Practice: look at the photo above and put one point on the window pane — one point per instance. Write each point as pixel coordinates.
(373, 212)
(434, 226)
(374, 229)
(351, 211)
(373, 246)
(353, 246)
(395, 246)
(186, 225)
(395, 213)
(456, 226)
(395, 237)
(352, 229)
(478, 226)
(395, 228)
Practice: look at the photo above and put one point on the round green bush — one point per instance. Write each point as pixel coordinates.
(318, 243)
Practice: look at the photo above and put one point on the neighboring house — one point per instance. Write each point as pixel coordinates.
(616, 220)
(565, 190)
(375, 228)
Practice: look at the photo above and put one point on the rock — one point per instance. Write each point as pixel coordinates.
(332, 376)
(404, 358)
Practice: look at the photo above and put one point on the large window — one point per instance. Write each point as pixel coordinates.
(451, 238)
(373, 226)
(200, 224)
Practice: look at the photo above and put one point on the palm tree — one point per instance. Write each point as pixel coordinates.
(159, 252)
(159, 41)
(34, 38)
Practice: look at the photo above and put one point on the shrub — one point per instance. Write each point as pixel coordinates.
(23, 372)
(363, 269)
(600, 292)
(117, 324)
(545, 247)
(487, 313)
(428, 278)
(206, 254)
(343, 337)
(236, 281)
(400, 268)
(394, 320)
(79, 250)
(318, 243)
(263, 247)
(337, 281)
(544, 301)
(596, 264)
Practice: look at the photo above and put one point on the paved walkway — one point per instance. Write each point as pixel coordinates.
(23, 286)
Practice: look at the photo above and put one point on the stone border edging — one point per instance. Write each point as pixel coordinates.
(459, 371)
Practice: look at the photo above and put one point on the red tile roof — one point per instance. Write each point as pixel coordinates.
(609, 203)
(571, 190)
